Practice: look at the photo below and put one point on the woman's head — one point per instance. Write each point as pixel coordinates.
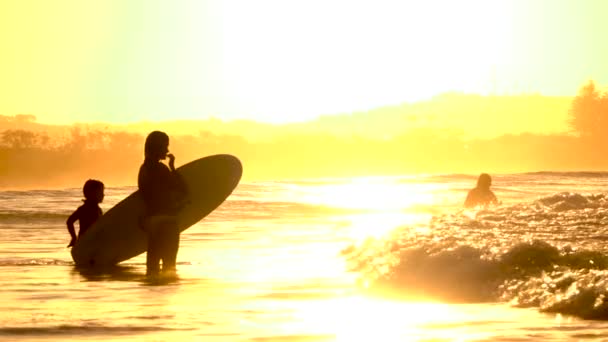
(93, 190)
(484, 181)
(156, 146)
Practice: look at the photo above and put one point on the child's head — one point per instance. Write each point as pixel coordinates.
(157, 145)
(484, 181)
(93, 190)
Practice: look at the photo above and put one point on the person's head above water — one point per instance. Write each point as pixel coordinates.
(484, 181)
(93, 190)
(156, 146)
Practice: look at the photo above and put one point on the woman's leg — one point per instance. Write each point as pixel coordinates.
(153, 254)
(153, 225)
(170, 244)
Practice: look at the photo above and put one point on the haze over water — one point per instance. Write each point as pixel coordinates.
(380, 258)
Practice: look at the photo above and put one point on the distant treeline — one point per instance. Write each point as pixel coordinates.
(33, 159)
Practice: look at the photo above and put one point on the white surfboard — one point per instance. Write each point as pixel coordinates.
(117, 237)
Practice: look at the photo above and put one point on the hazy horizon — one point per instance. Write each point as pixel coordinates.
(408, 139)
(473, 115)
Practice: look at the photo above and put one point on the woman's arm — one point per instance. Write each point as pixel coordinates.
(178, 182)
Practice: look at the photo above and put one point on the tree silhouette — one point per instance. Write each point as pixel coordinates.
(19, 138)
(589, 111)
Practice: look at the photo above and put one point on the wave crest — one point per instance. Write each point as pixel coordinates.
(27, 216)
(549, 253)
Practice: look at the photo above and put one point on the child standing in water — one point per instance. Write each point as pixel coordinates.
(164, 193)
(481, 195)
(87, 213)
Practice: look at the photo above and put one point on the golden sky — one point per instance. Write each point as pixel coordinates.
(284, 61)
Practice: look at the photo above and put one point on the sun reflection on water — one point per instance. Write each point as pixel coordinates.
(381, 204)
(380, 224)
(372, 193)
(359, 318)
(295, 270)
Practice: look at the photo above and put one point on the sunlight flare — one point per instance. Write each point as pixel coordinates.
(406, 50)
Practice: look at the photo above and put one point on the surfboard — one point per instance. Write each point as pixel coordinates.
(117, 236)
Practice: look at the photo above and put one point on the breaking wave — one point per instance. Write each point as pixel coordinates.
(549, 253)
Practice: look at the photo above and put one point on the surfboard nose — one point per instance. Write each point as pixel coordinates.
(231, 163)
(227, 167)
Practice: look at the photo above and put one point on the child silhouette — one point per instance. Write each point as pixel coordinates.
(87, 213)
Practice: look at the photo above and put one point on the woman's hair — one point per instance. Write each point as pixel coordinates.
(484, 181)
(90, 187)
(154, 144)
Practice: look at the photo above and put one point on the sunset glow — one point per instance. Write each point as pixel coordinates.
(277, 61)
(353, 56)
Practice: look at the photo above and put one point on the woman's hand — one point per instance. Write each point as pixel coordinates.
(171, 161)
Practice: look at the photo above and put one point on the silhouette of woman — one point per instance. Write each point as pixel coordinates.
(481, 195)
(163, 192)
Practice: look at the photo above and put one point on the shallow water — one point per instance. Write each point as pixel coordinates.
(387, 259)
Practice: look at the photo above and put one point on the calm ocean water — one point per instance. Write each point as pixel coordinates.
(365, 259)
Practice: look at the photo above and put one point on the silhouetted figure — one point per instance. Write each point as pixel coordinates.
(481, 195)
(87, 213)
(164, 193)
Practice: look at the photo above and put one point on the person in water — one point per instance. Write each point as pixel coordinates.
(481, 195)
(87, 213)
(164, 193)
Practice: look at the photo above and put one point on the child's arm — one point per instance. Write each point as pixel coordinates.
(70, 223)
